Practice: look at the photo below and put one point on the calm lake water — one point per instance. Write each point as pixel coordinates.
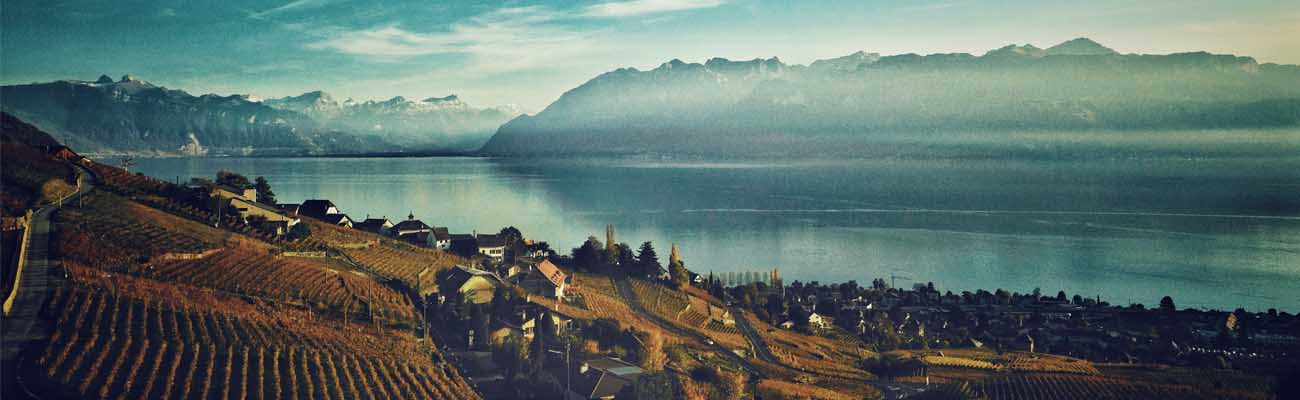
(1221, 233)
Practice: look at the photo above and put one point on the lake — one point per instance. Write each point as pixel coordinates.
(1210, 232)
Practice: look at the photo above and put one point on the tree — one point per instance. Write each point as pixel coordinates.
(653, 357)
(681, 277)
(1060, 296)
(511, 235)
(775, 307)
(299, 231)
(798, 315)
(542, 247)
(264, 193)
(648, 260)
(624, 256)
(1167, 304)
(233, 180)
(588, 256)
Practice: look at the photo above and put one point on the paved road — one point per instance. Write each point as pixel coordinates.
(24, 326)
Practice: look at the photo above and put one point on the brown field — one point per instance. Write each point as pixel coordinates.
(599, 300)
(383, 256)
(814, 353)
(177, 352)
(679, 308)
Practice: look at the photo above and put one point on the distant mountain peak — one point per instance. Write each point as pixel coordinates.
(1013, 50)
(1080, 47)
(448, 99)
(104, 80)
(131, 78)
(849, 62)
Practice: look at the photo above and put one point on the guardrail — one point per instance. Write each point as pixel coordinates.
(22, 263)
(27, 234)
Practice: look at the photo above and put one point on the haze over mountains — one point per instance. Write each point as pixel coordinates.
(861, 104)
(437, 122)
(848, 106)
(134, 116)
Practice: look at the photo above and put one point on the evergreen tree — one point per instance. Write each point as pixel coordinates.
(623, 256)
(589, 256)
(1167, 304)
(232, 179)
(648, 260)
(264, 193)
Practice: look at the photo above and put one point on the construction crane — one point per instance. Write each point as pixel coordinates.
(893, 277)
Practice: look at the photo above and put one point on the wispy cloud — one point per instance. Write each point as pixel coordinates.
(505, 38)
(642, 7)
(290, 6)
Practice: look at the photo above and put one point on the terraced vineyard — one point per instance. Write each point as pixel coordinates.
(814, 353)
(1073, 386)
(385, 257)
(599, 300)
(122, 347)
(113, 234)
(253, 271)
(676, 306)
(958, 362)
(124, 182)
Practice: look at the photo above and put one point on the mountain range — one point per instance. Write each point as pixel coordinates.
(133, 116)
(446, 123)
(855, 105)
(849, 106)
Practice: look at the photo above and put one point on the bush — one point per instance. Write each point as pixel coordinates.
(705, 373)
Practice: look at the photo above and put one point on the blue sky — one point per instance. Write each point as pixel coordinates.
(528, 53)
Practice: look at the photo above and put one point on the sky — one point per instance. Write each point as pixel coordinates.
(529, 53)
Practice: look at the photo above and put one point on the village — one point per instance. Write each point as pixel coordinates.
(489, 312)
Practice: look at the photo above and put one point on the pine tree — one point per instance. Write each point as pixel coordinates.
(647, 260)
(264, 193)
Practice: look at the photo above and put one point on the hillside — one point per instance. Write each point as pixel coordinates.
(131, 115)
(159, 303)
(863, 103)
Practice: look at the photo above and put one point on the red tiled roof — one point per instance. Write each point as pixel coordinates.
(551, 272)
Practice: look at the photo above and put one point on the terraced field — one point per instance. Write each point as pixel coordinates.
(123, 347)
(386, 257)
(113, 234)
(253, 271)
(677, 306)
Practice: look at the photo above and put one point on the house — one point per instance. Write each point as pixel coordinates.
(289, 208)
(411, 225)
(224, 192)
(603, 378)
(473, 285)
(317, 208)
(493, 246)
(529, 314)
(441, 239)
(271, 218)
(65, 153)
(338, 219)
(381, 226)
(817, 320)
(245, 202)
(545, 279)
